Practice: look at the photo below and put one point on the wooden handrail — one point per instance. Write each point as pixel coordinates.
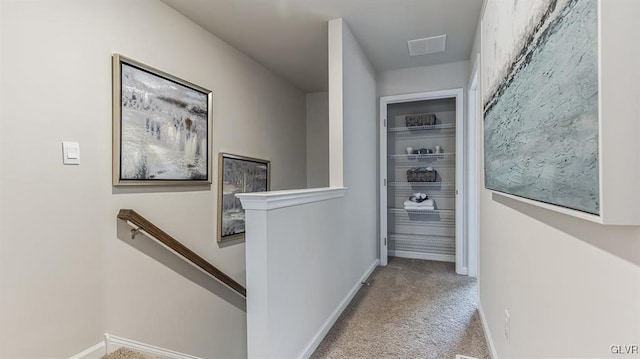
(160, 235)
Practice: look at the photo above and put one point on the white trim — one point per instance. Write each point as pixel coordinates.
(601, 153)
(426, 256)
(266, 201)
(461, 173)
(114, 343)
(383, 188)
(472, 208)
(419, 96)
(95, 352)
(487, 333)
(553, 207)
(324, 329)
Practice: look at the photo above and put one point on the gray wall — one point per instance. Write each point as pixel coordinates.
(68, 271)
(318, 139)
(572, 287)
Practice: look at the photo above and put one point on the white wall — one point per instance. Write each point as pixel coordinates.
(298, 271)
(572, 287)
(424, 78)
(360, 153)
(306, 261)
(318, 139)
(336, 107)
(68, 271)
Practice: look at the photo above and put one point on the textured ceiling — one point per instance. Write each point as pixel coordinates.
(290, 36)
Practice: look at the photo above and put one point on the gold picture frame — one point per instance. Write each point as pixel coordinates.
(238, 174)
(162, 127)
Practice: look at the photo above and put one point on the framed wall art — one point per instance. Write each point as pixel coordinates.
(162, 127)
(238, 174)
(541, 102)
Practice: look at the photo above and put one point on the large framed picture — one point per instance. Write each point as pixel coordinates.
(162, 127)
(541, 103)
(238, 174)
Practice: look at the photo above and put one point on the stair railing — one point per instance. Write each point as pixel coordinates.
(141, 224)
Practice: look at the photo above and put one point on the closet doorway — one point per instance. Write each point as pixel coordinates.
(422, 178)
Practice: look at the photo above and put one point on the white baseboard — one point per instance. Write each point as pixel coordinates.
(95, 352)
(324, 329)
(425, 256)
(112, 343)
(487, 333)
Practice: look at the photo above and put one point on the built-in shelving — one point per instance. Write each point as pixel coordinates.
(413, 232)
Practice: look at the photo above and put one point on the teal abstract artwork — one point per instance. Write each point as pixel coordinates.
(540, 95)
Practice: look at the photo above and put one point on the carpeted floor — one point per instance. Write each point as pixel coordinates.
(413, 309)
(124, 353)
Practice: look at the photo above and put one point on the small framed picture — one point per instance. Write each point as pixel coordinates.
(162, 127)
(238, 174)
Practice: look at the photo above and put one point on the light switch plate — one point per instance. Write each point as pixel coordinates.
(70, 153)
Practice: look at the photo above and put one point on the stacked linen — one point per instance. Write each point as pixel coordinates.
(419, 202)
(426, 205)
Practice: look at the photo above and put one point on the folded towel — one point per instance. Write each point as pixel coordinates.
(427, 203)
(418, 205)
(413, 208)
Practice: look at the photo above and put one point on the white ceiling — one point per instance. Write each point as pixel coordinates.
(290, 36)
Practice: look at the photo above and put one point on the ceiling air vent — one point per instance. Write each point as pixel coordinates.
(428, 45)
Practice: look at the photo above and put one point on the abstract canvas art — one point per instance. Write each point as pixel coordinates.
(540, 97)
(162, 127)
(238, 174)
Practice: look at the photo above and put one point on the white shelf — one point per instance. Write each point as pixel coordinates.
(436, 165)
(422, 135)
(438, 156)
(425, 223)
(419, 237)
(421, 184)
(420, 211)
(442, 126)
(431, 193)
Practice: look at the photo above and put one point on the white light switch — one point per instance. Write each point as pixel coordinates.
(70, 153)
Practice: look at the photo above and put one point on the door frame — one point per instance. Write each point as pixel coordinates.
(472, 169)
(458, 94)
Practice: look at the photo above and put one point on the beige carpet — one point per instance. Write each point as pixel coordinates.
(124, 353)
(413, 309)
